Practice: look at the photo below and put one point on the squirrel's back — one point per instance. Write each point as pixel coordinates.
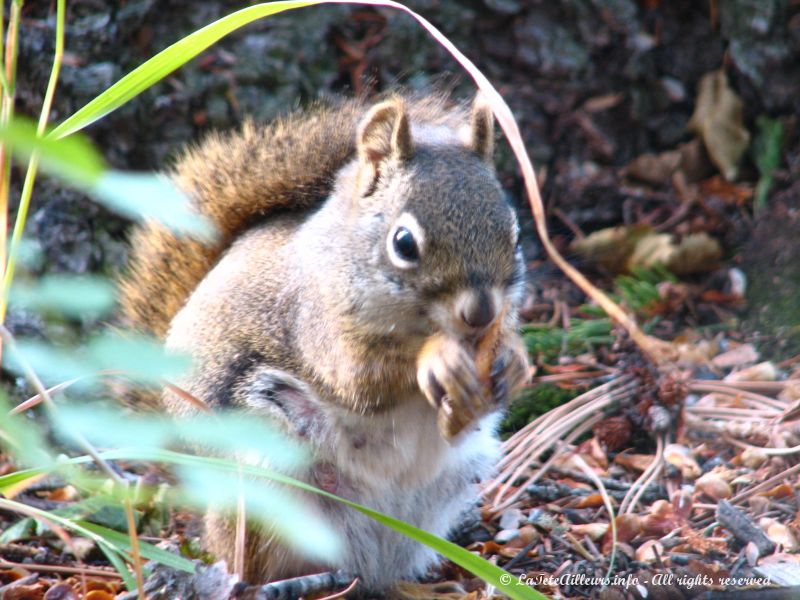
(237, 180)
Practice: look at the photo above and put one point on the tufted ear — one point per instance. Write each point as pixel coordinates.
(383, 135)
(482, 128)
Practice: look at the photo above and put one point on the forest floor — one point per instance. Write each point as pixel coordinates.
(667, 144)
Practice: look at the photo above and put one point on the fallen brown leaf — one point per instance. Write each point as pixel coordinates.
(718, 121)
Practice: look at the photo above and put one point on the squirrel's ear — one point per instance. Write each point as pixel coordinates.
(384, 134)
(482, 126)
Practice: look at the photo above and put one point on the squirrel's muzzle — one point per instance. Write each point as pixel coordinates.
(477, 308)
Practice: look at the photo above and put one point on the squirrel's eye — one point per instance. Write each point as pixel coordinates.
(405, 245)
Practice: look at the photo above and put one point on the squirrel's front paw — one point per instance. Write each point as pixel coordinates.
(447, 376)
(509, 369)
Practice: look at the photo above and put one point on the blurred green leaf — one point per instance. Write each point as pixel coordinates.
(70, 295)
(141, 358)
(252, 439)
(551, 342)
(30, 254)
(292, 518)
(22, 439)
(100, 509)
(767, 148)
(145, 196)
(135, 195)
(74, 159)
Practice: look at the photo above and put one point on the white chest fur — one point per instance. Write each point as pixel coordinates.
(398, 464)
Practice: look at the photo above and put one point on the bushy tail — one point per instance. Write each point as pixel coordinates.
(235, 180)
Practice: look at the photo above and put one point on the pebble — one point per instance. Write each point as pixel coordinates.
(511, 518)
(506, 535)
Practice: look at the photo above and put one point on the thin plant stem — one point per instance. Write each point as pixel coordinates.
(33, 163)
(9, 66)
(135, 552)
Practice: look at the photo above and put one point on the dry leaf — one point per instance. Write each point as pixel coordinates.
(765, 371)
(681, 457)
(610, 247)
(736, 357)
(620, 249)
(590, 501)
(62, 591)
(594, 531)
(783, 569)
(593, 453)
(649, 552)
(779, 533)
(528, 533)
(62, 494)
(661, 519)
(717, 120)
(783, 490)
(734, 194)
(682, 504)
(655, 169)
(636, 462)
(99, 595)
(628, 526)
(696, 253)
(713, 486)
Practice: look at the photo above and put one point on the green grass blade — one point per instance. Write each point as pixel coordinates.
(12, 479)
(165, 62)
(119, 565)
(150, 552)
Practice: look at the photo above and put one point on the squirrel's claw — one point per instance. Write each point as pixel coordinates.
(509, 371)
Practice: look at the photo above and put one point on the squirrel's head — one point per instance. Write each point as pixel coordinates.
(435, 242)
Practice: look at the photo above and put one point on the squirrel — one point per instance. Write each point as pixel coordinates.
(364, 252)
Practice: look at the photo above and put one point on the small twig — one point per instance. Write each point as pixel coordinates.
(737, 388)
(576, 231)
(7, 564)
(344, 592)
(522, 554)
(765, 485)
(581, 464)
(743, 528)
(767, 451)
(298, 586)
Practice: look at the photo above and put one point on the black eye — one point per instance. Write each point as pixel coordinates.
(405, 245)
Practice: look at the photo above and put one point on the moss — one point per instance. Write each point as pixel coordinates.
(532, 402)
(773, 272)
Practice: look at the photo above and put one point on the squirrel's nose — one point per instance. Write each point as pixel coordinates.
(477, 309)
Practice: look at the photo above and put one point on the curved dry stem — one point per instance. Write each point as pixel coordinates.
(647, 477)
